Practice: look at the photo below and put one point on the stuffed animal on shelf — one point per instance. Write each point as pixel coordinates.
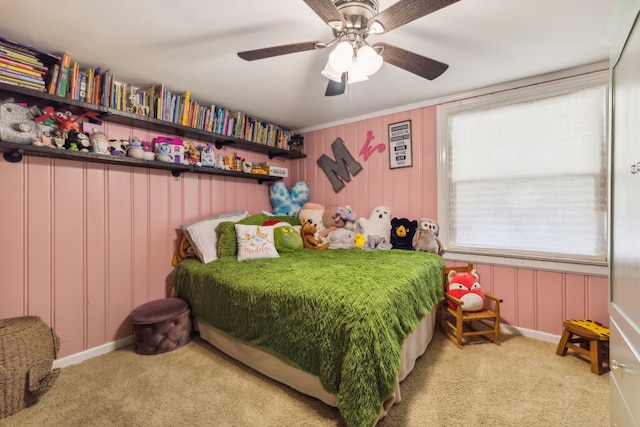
(466, 287)
(376, 242)
(342, 238)
(307, 231)
(378, 223)
(118, 147)
(402, 232)
(17, 123)
(288, 202)
(135, 148)
(99, 142)
(426, 237)
(164, 152)
(360, 240)
(78, 141)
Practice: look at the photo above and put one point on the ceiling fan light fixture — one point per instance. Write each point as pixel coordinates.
(341, 57)
(331, 73)
(368, 60)
(356, 74)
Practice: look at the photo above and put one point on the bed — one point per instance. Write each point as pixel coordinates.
(342, 325)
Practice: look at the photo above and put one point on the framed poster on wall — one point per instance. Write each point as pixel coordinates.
(400, 145)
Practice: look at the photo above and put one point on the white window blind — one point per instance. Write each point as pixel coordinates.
(529, 178)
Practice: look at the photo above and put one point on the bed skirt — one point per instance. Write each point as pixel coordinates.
(413, 347)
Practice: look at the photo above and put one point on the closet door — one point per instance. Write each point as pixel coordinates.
(624, 308)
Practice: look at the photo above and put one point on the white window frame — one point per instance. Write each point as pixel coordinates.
(526, 92)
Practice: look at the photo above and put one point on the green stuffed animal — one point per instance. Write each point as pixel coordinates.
(286, 238)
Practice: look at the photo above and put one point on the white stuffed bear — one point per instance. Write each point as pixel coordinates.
(426, 237)
(378, 224)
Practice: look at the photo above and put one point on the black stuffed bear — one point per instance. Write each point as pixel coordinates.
(402, 231)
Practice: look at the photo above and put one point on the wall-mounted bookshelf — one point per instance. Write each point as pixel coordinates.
(14, 152)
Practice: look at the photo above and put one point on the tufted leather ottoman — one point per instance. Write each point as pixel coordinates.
(162, 325)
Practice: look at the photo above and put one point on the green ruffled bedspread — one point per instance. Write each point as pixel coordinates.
(339, 314)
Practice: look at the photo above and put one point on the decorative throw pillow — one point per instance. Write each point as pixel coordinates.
(203, 236)
(227, 244)
(255, 242)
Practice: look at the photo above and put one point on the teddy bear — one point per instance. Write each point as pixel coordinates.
(307, 231)
(426, 237)
(466, 287)
(378, 223)
(342, 238)
(402, 232)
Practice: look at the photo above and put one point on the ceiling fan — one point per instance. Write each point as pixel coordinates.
(353, 58)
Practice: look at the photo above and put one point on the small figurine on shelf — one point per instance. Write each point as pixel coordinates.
(135, 148)
(100, 142)
(221, 162)
(296, 143)
(78, 140)
(191, 153)
(117, 147)
(207, 156)
(149, 154)
(164, 152)
(58, 139)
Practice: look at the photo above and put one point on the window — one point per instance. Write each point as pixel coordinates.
(523, 173)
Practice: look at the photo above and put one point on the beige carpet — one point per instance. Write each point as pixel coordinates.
(520, 383)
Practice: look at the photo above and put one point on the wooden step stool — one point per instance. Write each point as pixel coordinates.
(593, 340)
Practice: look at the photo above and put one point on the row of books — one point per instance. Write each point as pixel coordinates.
(101, 87)
(24, 66)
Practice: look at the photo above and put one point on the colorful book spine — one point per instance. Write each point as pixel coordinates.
(63, 80)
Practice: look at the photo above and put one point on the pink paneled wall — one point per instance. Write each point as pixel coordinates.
(85, 243)
(535, 300)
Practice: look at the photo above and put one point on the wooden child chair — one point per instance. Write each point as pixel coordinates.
(458, 324)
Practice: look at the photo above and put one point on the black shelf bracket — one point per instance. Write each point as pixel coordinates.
(176, 172)
(14, 156)
(220, 144)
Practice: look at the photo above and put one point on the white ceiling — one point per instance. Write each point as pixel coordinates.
(192, 45)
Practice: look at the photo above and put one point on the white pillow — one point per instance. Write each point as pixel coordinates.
(203, 236)
(255, 241)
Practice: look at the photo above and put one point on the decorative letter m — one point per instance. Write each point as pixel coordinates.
(344, 164)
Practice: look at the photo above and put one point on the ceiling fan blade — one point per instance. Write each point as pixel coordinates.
(268, 52)
(405, 11)
(334, 88)
(412, 62)
(328, 12)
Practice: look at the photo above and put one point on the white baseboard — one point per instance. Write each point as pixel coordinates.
(530, 333)
(93, 352)
(123, 342)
